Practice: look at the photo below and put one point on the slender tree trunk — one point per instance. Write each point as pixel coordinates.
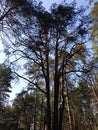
(93, 86)
(61, 116)
(63, 101)
(48, 111)
(42, 116)
(48, 89)
(73, 118)
(56, 90)
(35, 113)
(68, 110)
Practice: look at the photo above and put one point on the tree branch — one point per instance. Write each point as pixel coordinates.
(35, 84)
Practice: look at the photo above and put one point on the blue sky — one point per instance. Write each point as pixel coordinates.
(47, 3)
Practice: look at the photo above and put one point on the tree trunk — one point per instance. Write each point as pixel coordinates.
(68, 110)
(48, 112)
(61, 116)
(61, 109)
(42, 116)
(56, 90)
(48, 89)
(35, 113)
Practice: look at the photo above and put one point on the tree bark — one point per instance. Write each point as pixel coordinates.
(56, 90)
(63, 102)
(61, 116)
(68, 109)
(48, 89)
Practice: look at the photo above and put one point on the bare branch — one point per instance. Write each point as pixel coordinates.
(35, 84)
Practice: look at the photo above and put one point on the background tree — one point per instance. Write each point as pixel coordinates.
(94, 28)
(94, 40)
(5, 88)
(5, 82)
